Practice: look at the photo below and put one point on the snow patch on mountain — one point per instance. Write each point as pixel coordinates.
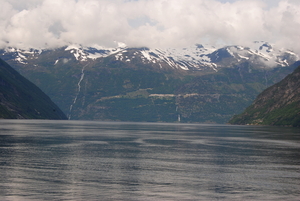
(261, 53)
(84, 53)
(177, 58)
(21, 56)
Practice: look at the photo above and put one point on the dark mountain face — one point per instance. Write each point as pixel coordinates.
(277, 105)
(21, 99)
(139, 84)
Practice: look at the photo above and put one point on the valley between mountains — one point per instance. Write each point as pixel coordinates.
(195, 84)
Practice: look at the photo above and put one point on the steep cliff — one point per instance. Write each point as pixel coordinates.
(21, 99)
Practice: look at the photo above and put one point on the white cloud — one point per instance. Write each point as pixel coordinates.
(151, 23)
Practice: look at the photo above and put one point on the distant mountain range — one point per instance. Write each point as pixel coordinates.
(195, 84)
(277, 105)
(21, 99)
(196, 57)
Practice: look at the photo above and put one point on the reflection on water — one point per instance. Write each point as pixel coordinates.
(83, 160)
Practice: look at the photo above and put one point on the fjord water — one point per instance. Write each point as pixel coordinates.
(89, 160)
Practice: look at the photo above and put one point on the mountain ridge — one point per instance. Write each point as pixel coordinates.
(196, 57)
(141, 84)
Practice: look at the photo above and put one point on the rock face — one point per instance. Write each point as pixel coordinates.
(277, 105)
(21, 99)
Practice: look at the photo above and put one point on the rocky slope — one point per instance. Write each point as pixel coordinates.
(21, 99)
(277, 105)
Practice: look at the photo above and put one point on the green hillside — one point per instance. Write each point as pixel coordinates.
(277, 105)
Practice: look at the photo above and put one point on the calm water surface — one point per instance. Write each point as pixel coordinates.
(82, 160)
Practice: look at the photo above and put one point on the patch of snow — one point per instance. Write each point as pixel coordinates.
(72, 47)
(230, 52)
(94, 56)
(146, 55)
(119, 56)
(22, 56)
(243, 57)
(20, 60)
(76, 54)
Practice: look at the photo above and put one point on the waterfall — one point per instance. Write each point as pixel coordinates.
(78, 91)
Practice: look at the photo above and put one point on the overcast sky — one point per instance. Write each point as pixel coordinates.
(150, 23)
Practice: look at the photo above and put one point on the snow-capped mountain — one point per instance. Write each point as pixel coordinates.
(200, 83)
(197, 57)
